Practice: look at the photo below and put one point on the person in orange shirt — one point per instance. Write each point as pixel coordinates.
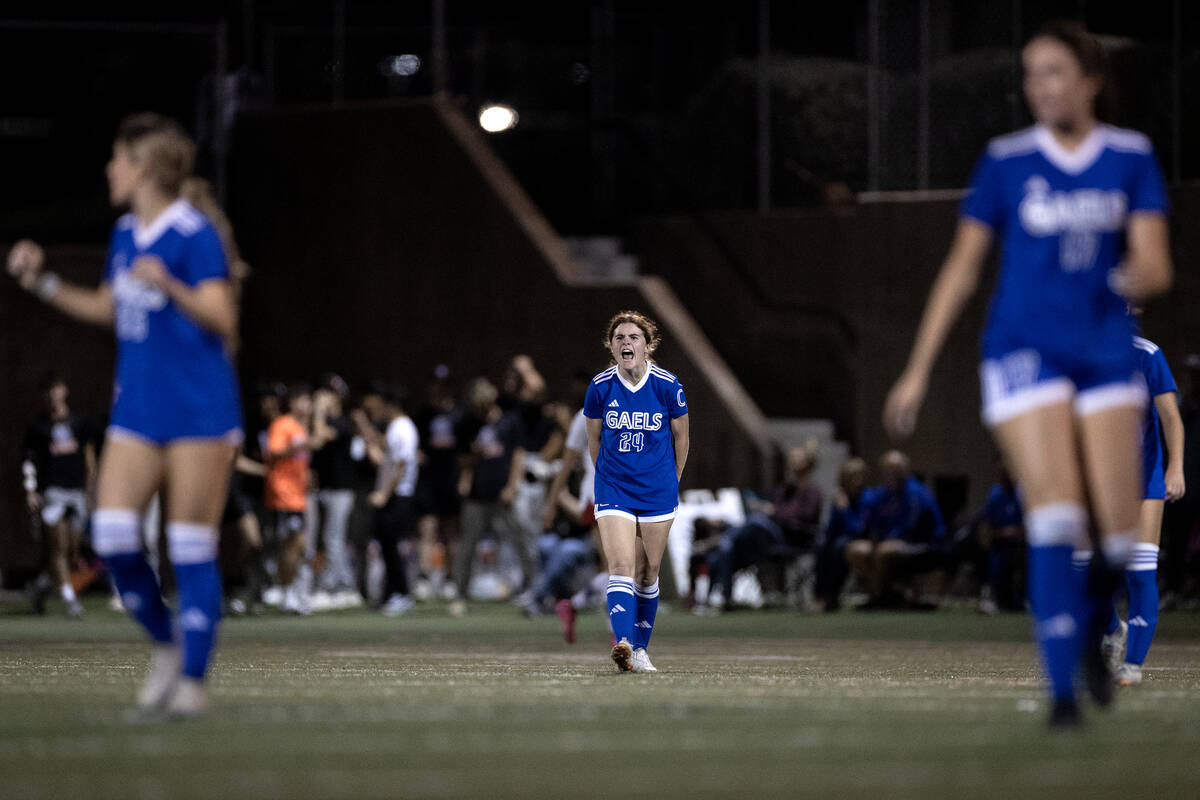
(287, 455)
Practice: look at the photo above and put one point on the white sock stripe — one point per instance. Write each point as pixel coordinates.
(116, 531)
(620, 589)
(648, 592)
(1144, 558)
(1056, 524)
(191, 542)
(1145, 548)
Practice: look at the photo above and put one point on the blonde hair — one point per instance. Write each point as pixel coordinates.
(161, 144)
(648, 327)
(198, 192)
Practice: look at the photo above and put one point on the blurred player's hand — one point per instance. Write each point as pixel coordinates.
(378, 498)
(151, 270)
(33, 501)
(1175, 485)
(25, 262)
(903, 403)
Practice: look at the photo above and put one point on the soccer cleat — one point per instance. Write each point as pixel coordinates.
(457, 608)
(1129, 675)
(162, 678)
(396, 605)
(622, 656)
(1065, 713)
(1113, 646)
(190, 699)
(74, 609)
(641, 661)
(565, 610)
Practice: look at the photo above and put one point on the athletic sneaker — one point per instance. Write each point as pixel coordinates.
(622, 656)
(189, 699)
(396, 605)
(1113, 646)
(161, 680)
(1129, 675)
(74, 609)
(641, 661)
(565, 610)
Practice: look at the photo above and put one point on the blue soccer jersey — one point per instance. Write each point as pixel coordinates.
(174, 379)
(635, 469)
(1153, 366)
(1060, 217)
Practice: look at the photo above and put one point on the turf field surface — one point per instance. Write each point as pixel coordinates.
(747, 704)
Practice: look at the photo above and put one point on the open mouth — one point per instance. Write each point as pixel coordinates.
(627, 353)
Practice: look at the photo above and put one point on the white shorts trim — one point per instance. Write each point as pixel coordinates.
(1113, 395)
(616, 512)
(57, 502)
(1000, 407)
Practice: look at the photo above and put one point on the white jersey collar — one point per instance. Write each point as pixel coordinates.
(632, 387)
(1072, 162)
(144, 237)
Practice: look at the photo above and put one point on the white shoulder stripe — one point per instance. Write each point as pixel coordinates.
(605, 375)
(662, 374)
(1145, 344)
(1021, 142)
(1126, 140)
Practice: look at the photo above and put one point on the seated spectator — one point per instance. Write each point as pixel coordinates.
(903, 533)
(796, 511)
(845, 525)
(1002, 536)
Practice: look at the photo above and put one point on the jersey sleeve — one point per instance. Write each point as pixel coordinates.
(204, 258)
(402, 443)
(1148, 192)
(577, 438)
(677, 402)
(592, 405)
(284, 433)
(984, 200)
(1158, 375)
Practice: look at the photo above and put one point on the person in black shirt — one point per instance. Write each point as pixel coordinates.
(59, 469)
(437, 499)
(334, 436)
(492, 466)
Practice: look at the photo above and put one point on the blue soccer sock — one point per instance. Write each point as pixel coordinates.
(1141, 576)
(193, 550)
(1056, 591)
(647, 609)
(116, 537)
(622, 608)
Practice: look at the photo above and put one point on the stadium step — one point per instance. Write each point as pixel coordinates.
(601, 259)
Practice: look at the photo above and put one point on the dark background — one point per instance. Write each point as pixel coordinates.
(378, 250)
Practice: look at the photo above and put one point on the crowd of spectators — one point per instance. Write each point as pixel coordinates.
(479, 489)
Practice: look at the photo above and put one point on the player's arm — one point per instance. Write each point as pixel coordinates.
(29, 474)
(209, 303)
(1172, 423)
(593, 434)
(954, 286)
(681, 436)
(25, 262)
(1147, 269)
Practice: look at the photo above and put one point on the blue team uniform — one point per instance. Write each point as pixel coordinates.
(635, 469)
(1055, 329)
(1153, 365)
(174, 379)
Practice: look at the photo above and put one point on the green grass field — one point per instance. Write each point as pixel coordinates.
(749, 704)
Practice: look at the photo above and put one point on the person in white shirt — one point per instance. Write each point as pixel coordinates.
(393, 499)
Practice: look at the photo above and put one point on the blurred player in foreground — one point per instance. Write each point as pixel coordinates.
(176, 418)
(638, 437)
(1079, 208)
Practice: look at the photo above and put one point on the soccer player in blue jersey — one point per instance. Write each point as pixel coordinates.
(637, 425)
(1079, 210)
(1126, 644)
(176, 418)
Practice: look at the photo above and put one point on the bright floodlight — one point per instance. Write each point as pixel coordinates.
(496, 118)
